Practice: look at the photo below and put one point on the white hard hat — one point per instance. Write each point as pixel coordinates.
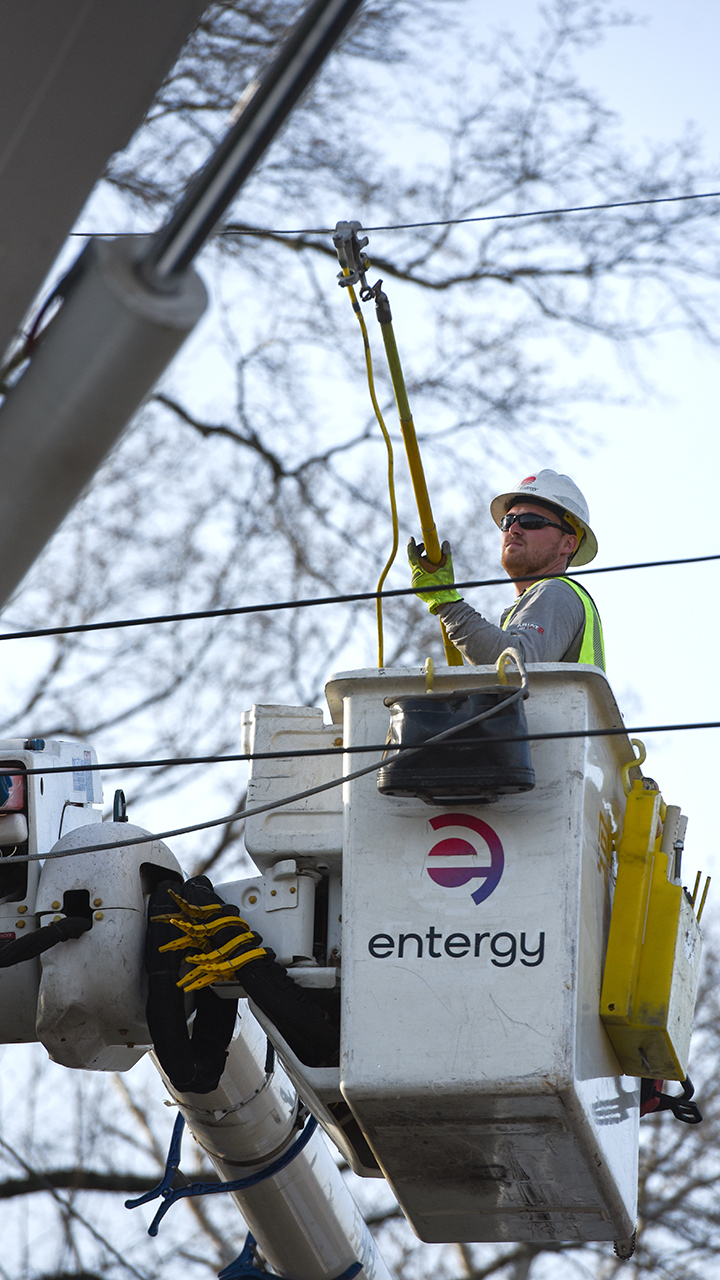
(563, 494)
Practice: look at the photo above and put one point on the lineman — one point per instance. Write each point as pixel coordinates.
(545, 525)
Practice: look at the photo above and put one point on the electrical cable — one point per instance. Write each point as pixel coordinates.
(231, 229)
(260, 114)
(278, 804)
(242, 814)
(237, 229)
(349, 598)
(247, 757)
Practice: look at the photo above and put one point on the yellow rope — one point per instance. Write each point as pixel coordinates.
(391, 467)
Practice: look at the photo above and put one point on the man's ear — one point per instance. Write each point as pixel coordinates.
(572, 542)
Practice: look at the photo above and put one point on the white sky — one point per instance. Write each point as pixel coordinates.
(650, 484)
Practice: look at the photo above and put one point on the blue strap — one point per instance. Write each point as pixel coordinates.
(244, 1268)
(171, 1194)
(172, 1165)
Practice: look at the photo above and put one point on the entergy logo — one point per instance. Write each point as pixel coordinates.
(450, 876)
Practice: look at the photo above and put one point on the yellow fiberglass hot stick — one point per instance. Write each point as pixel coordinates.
(429, 532)
(391, 469)
(355, 263)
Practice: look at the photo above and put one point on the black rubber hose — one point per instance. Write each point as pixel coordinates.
(307, 1019)
(33, 944)
(193, 1062)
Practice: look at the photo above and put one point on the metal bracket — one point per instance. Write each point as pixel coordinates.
(350, 254)
(354, 265)
(280, 886)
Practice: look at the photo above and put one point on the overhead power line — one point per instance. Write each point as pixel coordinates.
(247, 757)
(238, 229)
(512, 696)
(242, 814)
(78, 628)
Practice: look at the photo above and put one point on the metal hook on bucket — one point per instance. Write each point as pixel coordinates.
(511, 655)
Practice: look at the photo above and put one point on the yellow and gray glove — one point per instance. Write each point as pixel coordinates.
(432, 582)
(216, 940)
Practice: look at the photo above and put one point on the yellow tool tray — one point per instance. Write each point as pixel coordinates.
(652, 964)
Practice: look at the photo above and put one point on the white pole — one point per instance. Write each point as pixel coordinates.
(98, 361)
(304, 1218)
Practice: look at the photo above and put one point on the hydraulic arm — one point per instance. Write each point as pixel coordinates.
(127, 308)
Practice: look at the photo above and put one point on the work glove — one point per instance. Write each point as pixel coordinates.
(431, 581)
(216, 940)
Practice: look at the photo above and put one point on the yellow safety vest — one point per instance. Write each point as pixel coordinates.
(592, 648)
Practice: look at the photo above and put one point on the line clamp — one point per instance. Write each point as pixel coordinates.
(350, 254)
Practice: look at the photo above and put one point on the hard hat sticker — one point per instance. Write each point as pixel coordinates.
(450, 877)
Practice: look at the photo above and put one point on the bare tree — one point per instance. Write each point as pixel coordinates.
(257, 475)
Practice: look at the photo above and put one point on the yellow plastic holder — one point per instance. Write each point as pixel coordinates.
(652, 964)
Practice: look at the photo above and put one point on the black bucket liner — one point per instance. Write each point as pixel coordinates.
(471, 767)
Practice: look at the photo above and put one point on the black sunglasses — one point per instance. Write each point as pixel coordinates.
(528, 520)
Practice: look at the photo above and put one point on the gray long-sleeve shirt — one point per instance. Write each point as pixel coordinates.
(547, 626)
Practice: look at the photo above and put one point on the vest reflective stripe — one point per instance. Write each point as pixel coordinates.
(592, 647)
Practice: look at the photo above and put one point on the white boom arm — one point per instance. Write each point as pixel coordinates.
(90, 995)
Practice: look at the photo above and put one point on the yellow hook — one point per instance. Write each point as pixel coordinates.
(633, 764)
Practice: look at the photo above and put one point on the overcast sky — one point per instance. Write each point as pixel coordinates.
(650, 483)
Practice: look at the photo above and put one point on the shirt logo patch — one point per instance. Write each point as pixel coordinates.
(529, 626)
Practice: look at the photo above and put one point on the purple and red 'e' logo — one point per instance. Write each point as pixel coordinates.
(455, 847)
